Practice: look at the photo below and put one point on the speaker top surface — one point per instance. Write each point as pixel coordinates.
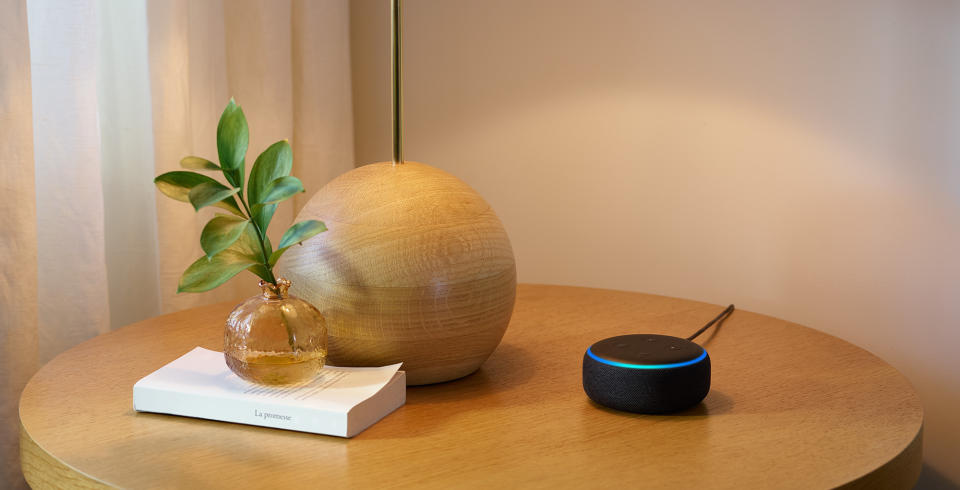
(646, 351)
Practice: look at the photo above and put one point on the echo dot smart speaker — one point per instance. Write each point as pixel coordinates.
(646, 373)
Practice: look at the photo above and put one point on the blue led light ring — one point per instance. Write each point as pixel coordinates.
(646, 366)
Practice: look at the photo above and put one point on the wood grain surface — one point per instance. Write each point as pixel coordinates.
(790, 407)
(415, 267)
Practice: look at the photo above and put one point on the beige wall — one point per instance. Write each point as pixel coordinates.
(799, 159)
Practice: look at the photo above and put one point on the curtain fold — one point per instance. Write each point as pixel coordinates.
(18, 238)
(127, 168)
(189, 89)
(322, 94)
(72, 300)
(96, 98)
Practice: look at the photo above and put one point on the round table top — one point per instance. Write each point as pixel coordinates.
(789, 407)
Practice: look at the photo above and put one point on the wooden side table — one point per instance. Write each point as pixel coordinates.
(790, 407)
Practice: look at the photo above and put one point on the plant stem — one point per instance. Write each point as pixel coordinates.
(291, 339)
(260, 238)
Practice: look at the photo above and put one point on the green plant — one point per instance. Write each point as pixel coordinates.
(237, 241)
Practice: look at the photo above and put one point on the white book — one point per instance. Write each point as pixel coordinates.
(340, 401)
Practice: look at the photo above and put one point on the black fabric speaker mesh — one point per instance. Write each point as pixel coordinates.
(649, 391)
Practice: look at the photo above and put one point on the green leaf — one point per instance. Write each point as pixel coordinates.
(230, 204)
(249, 244)
(197, 163)
(208, 273)
(300, 232)
(297, 234)
(221, 232)
(233, 136)
(275, 162)
(262, 272)
(205, 274)
(275, 256)
(235, 177)
(267, 245)
(178, 184)
(208, 193)
(282, 188)
(262, 214)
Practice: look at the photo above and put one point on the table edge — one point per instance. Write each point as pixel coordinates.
(41, 469)
(902, 471)
(44, 470)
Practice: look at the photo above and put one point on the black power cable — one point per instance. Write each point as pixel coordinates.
(720, 318)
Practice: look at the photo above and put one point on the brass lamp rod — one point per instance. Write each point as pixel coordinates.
(397, 82)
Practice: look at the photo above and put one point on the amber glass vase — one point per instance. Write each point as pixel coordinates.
(274, 338)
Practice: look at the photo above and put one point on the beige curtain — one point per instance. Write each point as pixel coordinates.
(98, 97)
(18, 229)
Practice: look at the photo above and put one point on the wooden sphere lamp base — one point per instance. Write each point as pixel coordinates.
(415, 267)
